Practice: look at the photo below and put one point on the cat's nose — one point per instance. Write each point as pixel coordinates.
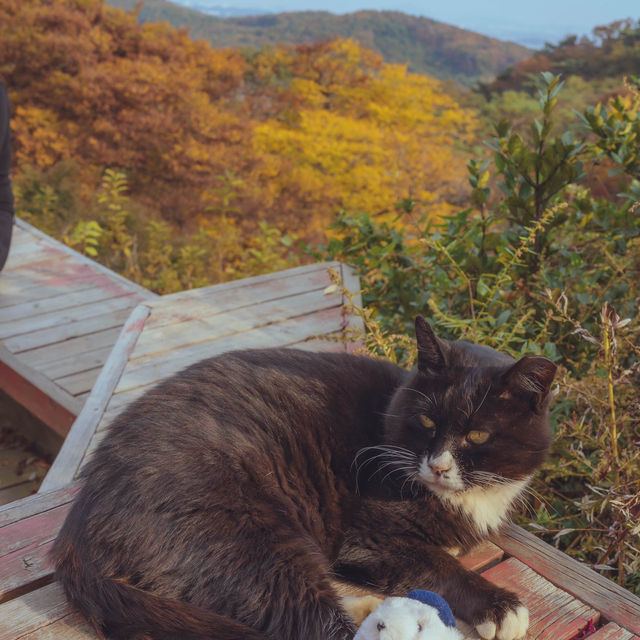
(441, 464)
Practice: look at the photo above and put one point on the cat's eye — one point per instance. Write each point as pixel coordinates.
(476, 436)
(427, 422)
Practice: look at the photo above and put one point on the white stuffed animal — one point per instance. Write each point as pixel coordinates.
(409, 619)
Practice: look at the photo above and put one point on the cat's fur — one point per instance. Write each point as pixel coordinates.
(223, 502)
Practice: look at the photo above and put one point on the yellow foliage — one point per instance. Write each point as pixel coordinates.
(43, 141)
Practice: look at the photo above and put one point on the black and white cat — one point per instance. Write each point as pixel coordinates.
(227, 501)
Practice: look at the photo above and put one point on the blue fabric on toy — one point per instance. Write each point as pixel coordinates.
(437, 602)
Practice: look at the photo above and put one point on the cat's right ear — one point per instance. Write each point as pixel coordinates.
(531, 375)
(431, 350)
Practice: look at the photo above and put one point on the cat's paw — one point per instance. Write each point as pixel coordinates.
(358, 608)
(510, 624)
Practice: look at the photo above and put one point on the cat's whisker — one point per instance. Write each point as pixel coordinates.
(399, 469)
(411, 479)
(395, 455)
(429, 399)
(484, 397)
(388, 415)
(486, 478)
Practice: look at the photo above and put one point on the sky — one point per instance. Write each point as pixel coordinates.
(530, 23)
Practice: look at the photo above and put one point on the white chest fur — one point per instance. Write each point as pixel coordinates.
(487, 507)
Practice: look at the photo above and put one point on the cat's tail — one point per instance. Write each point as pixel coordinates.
(125, 612)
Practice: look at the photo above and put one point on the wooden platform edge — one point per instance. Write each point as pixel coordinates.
(353, 322)
(174, 298)
(615, 603)
(37, 393)
(133, 286)
(68, 461)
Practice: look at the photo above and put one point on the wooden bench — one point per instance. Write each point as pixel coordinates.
(294, 307)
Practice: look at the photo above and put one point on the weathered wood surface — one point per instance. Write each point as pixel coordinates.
(46, 400)
(611, 600)
(289, 308)
(612, 631)
(27, 530)
(60, 314)
(554, 613)
(43, 611)
(73, 450)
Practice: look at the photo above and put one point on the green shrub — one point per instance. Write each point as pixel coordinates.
(538, 265)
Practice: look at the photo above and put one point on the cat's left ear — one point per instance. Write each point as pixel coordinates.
(432, 352)
(532, 375)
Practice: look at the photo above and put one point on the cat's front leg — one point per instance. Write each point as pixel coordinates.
(397, 566)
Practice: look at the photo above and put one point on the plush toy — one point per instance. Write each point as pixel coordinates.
(423, 615)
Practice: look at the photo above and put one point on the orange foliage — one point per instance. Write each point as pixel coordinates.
(300, 131)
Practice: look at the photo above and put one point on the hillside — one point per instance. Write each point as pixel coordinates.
(611, 53)
(428, 46)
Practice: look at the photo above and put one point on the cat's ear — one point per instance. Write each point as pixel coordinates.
(531, 375)
(431, 350)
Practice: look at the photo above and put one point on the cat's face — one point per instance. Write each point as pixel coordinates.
(471, 417)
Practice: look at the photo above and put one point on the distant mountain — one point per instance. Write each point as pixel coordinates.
(428, 46)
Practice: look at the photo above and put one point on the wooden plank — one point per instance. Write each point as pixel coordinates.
(39, 503)
(612, 601)
(612, 631)
(69, 315)
(53, 285)
(26, 540)
(49, 354)
(320, 270)
(54, 303)
(68, 460)
(353, 324)
(76, 363)
(33, 611)
(81, 382)
(555, 614)
(26, 569)
(24, 296)
(296, 331)
(46, 400)
(81, 259)
(253, 331)
(272, 336)
(209, 301)
(28, 254)
(63, 332)
(35, 529)
(157, 340)
(71, 627)
(485, 555)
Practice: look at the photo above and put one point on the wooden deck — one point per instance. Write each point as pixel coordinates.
(163, 335)
(60, 315)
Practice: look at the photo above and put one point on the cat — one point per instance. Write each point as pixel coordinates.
(224, 502)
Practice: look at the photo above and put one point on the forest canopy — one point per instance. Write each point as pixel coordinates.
(290, 134)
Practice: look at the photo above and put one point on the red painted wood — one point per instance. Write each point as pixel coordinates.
(26, 540)
(554, 614)
(33, 530)
(612, 631)
(25, 570)
(482, 557)
(611, 600)
(36, 401)
(39, 503)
